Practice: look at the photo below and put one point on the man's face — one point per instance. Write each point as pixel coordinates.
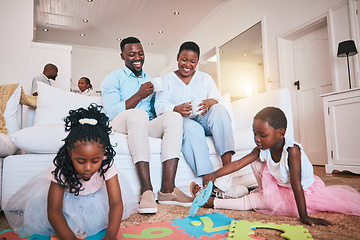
(134, 57)
(53, 73)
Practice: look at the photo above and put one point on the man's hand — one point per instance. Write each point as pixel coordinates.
(145, 90)
(184, 109)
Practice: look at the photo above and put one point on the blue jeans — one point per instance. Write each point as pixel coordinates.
(217, 123)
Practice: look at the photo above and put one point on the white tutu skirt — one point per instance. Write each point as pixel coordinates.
(86, 215)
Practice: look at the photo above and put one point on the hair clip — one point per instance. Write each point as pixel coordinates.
(90, 121)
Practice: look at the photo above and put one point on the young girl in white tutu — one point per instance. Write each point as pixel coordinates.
(81, 194)
(287, 185)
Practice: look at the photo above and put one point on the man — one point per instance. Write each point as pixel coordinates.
(50, 72)
(127, 96)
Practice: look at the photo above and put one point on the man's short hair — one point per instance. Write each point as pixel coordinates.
(127, 41)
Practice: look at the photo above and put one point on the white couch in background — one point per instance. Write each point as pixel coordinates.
(42, 140)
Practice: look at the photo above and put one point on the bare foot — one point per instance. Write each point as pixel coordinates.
(195, 189)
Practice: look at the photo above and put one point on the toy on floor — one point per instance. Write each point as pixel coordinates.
(242, 229)
(201, 199)
(208, 226)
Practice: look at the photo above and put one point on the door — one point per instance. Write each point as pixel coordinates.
(313, 78)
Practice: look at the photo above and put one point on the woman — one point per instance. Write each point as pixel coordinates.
(85, 87)
(185, 86)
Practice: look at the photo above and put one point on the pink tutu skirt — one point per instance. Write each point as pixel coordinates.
(319, 198)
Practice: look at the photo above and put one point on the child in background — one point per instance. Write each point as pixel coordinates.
(287, 185)
(82, 192)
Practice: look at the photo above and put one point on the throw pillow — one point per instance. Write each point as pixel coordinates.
(54, 104)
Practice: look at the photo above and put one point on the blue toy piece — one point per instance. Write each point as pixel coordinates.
(201, 199)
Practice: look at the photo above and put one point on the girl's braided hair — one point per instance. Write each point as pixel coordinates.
(84, 125)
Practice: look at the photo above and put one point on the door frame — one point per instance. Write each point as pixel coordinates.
(287, 64)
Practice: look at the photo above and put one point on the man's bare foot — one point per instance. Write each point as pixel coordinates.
(195, 190)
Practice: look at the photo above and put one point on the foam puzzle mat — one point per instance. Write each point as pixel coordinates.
(207, 226)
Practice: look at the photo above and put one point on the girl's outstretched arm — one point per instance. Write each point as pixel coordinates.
(232, 167)
(115, 207)
(55, 212)
(295, 181)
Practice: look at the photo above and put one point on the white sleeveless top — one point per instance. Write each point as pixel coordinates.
(280, 170)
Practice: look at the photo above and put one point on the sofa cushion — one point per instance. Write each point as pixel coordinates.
(54, 104)
(6, 146)
(49, 139)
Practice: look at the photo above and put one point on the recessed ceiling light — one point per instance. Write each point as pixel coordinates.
(82, 34)
(118, 39)
(89, 0)
(176, 13)
(160, 31)
(45, 29)
(85, 20)
(244, 54)
(151, 43)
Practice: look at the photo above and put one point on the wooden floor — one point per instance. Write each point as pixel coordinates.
(320, 171)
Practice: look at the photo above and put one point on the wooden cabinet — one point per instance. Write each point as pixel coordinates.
(342, 127)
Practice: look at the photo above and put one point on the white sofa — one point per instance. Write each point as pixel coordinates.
(41, 141)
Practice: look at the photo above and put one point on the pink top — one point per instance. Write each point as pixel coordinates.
(94, 183)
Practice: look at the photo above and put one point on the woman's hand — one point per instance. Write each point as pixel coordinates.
(184, 109)
(207, 178)
(206, 105)
(312, 221)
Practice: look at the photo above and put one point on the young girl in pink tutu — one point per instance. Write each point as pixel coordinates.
(287, 184)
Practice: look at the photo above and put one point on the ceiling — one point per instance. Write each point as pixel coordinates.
(109, 20)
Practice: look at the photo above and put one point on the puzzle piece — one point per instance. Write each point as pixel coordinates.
(10, 234)
(211, 224)
(161, 230)
(241, 230)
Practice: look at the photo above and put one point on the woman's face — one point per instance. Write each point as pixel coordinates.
(82, 85)
(187, 62)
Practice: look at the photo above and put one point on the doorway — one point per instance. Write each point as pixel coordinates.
(305, 64)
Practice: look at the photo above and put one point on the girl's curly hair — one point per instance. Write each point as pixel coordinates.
(65, 173)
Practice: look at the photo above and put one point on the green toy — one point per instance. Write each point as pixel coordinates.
(242, 229)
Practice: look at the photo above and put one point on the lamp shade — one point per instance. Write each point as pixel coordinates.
(346, 48)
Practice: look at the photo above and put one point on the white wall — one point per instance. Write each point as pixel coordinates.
(22, 59)
(278, 17)
(15, 40)
(96, 63)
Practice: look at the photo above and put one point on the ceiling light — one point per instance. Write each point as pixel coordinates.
(176, 13)
(244, 54)
(85, 20)
(151, 43)
(118, 39)
(82, 34)
(89, 0)
(45, 29)
(160, 31)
